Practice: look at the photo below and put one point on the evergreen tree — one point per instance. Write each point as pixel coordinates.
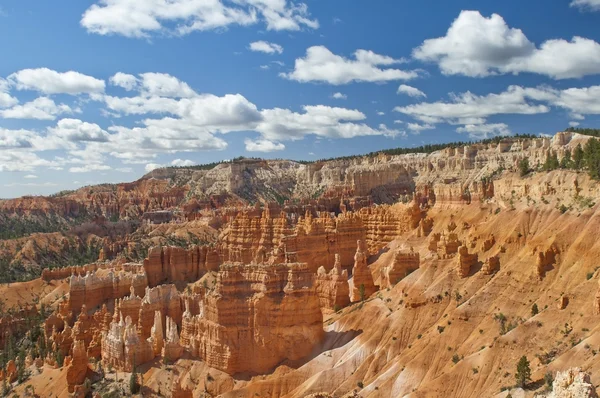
(361, 289)
(524, 167)
(134, 385)
(551, 161)
(565, 162)
(577, 162)
(523, 374)
(591, 156)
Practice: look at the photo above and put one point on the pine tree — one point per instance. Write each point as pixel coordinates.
(524, 167)
(551, 161)
(523, 374)
(565, 162)
(577, 163)
(361, 289)
(591, 156)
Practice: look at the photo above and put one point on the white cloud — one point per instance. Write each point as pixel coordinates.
(321, 65)
(266, 47)
(324, 121)
(42, 108)
(593, 5)
(574, 124)
(6, 100)
(89, 167)
(417, 128)
(165, 85)
(477, 46)
(481, 131)
(469, 108)
(26, 161)
(124, 80)
(381, 113)
(124, 169)
(262, 145)
(264, 67)
(133, 18)
(339, 96)
(410, 91)
(182, 163)
(30, 184)
(30, 176)
(75, 130)
(152, 166)
(49, 81)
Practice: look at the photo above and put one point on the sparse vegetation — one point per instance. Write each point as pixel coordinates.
(523, 374)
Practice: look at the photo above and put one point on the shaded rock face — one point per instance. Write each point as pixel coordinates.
(122, 347)
(333, 288)
(402, 265)
(256, 317)
(572, 383)
(362, 285)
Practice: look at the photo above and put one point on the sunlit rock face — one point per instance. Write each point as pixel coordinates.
(256, 316)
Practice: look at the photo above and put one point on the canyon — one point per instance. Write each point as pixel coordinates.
(413, 275)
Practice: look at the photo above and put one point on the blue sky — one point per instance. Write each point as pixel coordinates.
(104, 90)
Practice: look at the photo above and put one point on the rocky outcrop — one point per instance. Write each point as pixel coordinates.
(78, 368)
(97, 287)
(122, 347)
(491, 265)
(402, 264)
(179, 391)
(172, 348)
(176, 264)
(544, 260)
(464, 262)
(362, 285)
(572, 383)
(333, 288)
(256, 316)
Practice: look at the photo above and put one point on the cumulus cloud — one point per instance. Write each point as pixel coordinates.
(339, 96)
(324, 121)
(477, 46)
(30, 176)
(410, 91)
(592, 5)
(42, 108)
(321, 65)
(266, 47)
(48, 81)
(481, 131)
(75, 130)
(89, 167)
(262, 145)
(417, 128)
(182, 162)
(138, 19)
(124, 80)
(574, 124)
(467, 107)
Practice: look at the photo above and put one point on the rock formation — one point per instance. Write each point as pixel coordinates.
(572, 383)
(333, 288)
(362, 285)
(402, 265)
(78, 368)
(176, 264)
(491, 265)
(122, 347)
(464, 262)
(95, 288)
(545, 259)
(172, 348)
(251, 307)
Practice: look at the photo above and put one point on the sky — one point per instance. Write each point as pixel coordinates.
(98, 91)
